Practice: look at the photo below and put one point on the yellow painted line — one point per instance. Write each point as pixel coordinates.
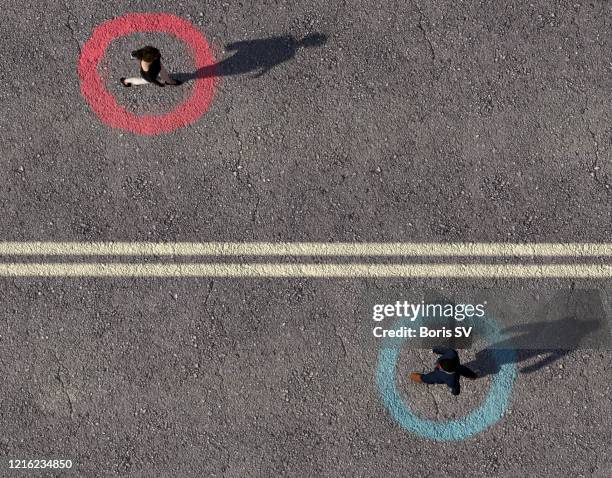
(304, 249)
(260, 270)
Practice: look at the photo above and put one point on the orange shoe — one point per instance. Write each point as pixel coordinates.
(416, 377)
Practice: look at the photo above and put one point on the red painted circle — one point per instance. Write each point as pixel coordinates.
(104, 103)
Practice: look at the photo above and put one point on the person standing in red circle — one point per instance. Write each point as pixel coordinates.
(151, 69)
(103, 102)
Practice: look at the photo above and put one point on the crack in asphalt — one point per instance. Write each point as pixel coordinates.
(238, 164)
(69, 26)
(595, 165)
(210, 289)
(432, 51)
(237, 172)
(58, 377)
(341, 340)
(254, 213)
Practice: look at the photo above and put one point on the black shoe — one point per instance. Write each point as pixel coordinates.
(125, 83)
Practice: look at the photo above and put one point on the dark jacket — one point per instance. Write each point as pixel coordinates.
(448, 370)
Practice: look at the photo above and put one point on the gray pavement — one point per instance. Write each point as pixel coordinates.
(457, 121)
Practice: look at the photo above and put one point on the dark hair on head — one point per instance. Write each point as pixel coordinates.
(148, 54)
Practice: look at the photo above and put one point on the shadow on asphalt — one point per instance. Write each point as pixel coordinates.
(550, 340)
(485, 364)
(255, 56)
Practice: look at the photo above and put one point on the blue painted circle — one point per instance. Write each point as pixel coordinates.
(491, 410)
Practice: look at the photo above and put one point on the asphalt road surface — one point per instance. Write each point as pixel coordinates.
(410, 122)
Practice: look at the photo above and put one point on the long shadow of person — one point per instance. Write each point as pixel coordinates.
(257, 56)
(581, 313)
(571, 331)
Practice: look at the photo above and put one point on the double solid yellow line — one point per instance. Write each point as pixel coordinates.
(600, 269)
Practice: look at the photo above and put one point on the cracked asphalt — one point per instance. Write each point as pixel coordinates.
(414, 122)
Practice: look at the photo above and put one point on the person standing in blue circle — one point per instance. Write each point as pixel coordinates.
(448, 370)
